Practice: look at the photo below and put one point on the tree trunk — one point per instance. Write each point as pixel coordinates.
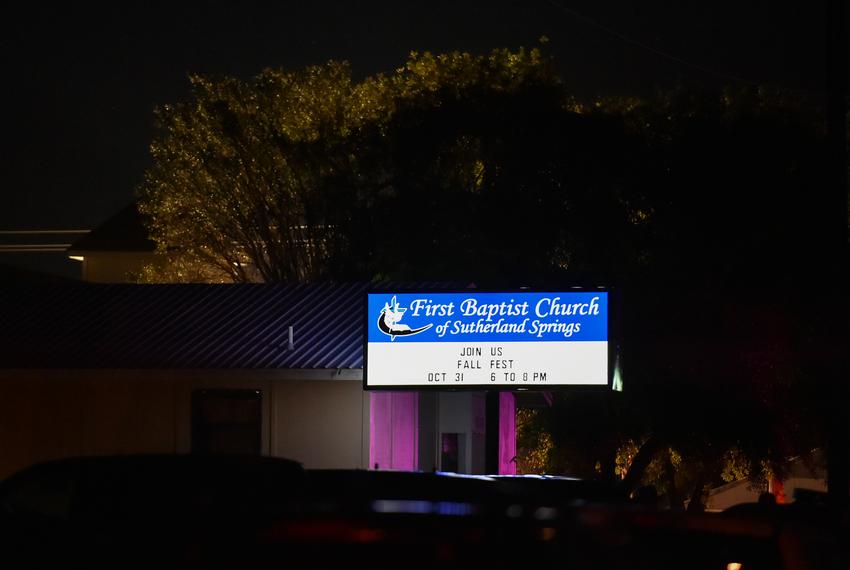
(677, 502)
(639, 464)
(711, 468)
(609, 463)
(695, 505)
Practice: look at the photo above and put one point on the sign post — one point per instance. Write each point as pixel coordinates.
(491, 432)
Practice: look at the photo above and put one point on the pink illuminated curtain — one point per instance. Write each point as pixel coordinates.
(507, 433)
(394, 430)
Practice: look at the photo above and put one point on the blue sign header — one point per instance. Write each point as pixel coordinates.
(487, 317)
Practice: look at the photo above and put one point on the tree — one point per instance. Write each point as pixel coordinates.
(453, 167)
(697, 205)
(244, 175)
(715, 317)
(494, 177)
(734, 245)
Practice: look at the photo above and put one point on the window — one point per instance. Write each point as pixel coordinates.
(227, 421)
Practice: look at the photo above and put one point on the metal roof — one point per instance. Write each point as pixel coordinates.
(122, 326)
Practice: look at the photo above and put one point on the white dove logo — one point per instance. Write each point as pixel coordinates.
(388, 321)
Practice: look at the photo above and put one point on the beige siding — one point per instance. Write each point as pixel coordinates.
(46, 416)
(731, 494)
(322, 424)
(51, 414)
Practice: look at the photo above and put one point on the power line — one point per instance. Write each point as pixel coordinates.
(17, 247)
(33, 247)
(40, 232)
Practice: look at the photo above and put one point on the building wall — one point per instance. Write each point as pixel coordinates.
(741, 492)
(322, 424)
(804, 473)
(114, 267)
(803, 483)
(731, 494)
(46, 415)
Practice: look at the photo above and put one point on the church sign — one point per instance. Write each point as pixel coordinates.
(509, 340)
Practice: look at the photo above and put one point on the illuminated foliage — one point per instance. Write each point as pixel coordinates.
(625, 454)
(534, 444)
(244, 172)
(453, 166)
(736, 466)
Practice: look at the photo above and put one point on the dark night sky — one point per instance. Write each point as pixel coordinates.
(80, 82)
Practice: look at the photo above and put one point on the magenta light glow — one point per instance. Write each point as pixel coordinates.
(394, 430)
(507, 434)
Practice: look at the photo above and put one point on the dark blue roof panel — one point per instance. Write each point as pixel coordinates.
(83, 325)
